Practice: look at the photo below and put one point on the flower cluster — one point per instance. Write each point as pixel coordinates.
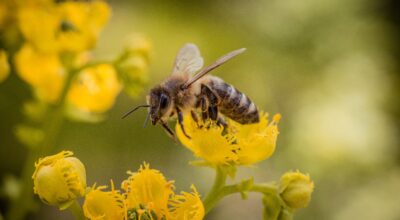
(146, 194)
(53, 55)
(48, 44)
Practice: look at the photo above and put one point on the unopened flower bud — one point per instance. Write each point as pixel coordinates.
(59, 179)
(295, 189)
(138, 44)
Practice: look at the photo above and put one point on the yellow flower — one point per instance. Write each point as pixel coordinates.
(104, 205)
(95, 89)
(59, 179)
(295, 189)
(67, 26)
(43, 71)
(82, 23)
(187, 206)
(4, 66)
(150, 196)
(237, 145)
(148, 189)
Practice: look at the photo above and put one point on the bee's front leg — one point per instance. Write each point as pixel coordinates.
(168, 130)
(180, 121)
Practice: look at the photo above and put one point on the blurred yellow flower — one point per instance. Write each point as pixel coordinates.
(148, 188)
(104, 205)
(237, 145)
(187, 206)
(81, 23)
(59, 179)
(4, 66)
(43, 71)
(69, 26)
(4, 13)
(295, 189)
(95, 89)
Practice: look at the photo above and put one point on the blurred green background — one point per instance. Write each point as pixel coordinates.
(329, 67)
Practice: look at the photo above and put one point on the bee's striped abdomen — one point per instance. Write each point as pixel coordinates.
(233, 103)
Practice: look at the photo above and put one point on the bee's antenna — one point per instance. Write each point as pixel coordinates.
(136, 108)
(146, 120)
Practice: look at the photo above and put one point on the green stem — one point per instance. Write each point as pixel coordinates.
(219, 182)
(213, 199)
(24, 202)
(76, 210)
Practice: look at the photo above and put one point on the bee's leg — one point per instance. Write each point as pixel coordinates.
(168, 130)
(195, 118)
(180, 121)
(204, 108)
(221, 122)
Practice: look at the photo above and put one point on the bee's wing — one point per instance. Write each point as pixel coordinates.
(216, 64)
(188, 60)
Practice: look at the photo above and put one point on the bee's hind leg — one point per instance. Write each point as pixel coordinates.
(209, 97)
(204, 109)
(221, 122)
(180, 121)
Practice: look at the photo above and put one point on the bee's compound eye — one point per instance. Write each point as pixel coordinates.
(163, 101)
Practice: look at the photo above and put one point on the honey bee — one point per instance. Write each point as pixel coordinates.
(189, 88)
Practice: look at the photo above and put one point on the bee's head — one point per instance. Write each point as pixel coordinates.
(160, 104)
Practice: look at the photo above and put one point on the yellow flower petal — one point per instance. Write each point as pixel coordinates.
(95, 89)
(104, 205)
(148, 188)
(39, 26)
(43, 71)
(59, 179)
(4, 66)
(257, 141)
(207, 142)
(238, 144)
(187, 206)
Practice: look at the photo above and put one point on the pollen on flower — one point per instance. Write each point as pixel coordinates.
(187, 206)
(148, 189)
(237, 144)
